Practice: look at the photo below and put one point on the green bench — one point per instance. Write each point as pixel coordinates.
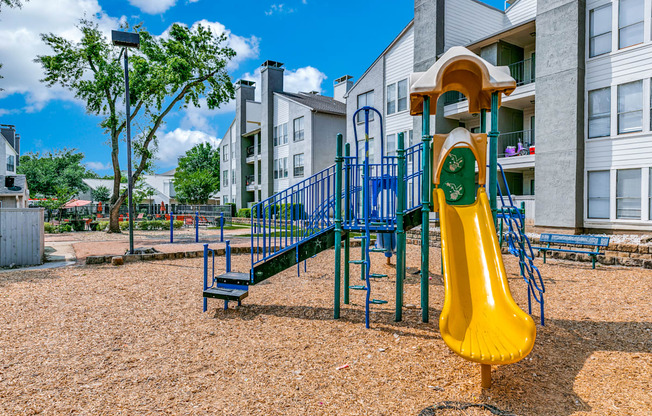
(586, 244)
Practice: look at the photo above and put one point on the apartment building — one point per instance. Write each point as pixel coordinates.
(576, 134)
(13, 187)
(280, 140)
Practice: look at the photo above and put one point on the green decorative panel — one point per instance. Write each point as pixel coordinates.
(457, 177)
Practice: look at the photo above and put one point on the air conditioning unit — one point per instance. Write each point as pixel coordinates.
(9, 181)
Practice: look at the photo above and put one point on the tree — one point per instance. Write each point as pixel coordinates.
(168, 72)
(61, 196)
(49, 173)
(101, 194)
(198, 174)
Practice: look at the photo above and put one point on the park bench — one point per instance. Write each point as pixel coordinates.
(586, 244)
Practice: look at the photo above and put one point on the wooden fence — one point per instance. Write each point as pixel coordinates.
(22, 239)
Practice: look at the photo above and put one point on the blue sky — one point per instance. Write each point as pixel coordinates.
(317, 40)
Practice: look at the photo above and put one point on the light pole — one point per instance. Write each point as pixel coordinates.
(128, 40)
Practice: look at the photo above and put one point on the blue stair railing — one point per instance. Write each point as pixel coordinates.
(519, 245)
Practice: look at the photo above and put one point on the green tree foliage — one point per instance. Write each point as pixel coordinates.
(198, 174)
(167, 72)
(50, 174)
(101, 194)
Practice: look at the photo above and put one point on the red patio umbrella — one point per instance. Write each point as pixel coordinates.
(162, 207)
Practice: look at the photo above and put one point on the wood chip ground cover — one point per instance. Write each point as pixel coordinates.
(96, 340)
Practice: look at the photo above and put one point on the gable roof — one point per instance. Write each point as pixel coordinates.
(318, 103)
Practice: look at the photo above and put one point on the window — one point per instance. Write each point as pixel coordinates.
(275, 168)
(225, 152)
(402, 95)
(281, 134)
(11, 163)
(391, 99)
(298, 129)
(225, 178)
(281, 168)
(630, 22)
(599, 194)
(630, 107)
(361, 150)
(391, 145)
(232, 152)
(366, 99)
(600, 31)
(396, 97)
(298, 165)
(600, 113)
(628, 194)
(226, 199)
(233, 177)
(285, 167)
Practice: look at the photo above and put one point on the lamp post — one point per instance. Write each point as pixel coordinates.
(128, 40)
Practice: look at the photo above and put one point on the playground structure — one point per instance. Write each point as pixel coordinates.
(356, 198)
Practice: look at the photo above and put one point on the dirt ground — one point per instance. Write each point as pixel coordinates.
(132, 340)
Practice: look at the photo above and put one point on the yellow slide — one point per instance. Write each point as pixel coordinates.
(480, 320)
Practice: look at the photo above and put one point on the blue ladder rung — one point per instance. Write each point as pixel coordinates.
(376, 275)
(378, 301)
(358, 287)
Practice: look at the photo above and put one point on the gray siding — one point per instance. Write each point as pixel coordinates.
(22, 240)
(560, 113)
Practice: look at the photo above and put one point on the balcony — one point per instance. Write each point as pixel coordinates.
(523, 71)
(252, 155)
(516, 149)
(250, 182)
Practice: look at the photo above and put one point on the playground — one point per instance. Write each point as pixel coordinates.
(103, 339)
(331, 312)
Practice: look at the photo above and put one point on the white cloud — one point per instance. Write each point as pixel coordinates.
(20, 43)
(153, 6)
(174, 144)
(99, 165)
(199, 118)
(279, 9)
(303, 79)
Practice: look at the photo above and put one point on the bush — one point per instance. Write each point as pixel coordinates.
(177, 224)
(78, 225)
(244, 213)
(65, 228)
(102, 225)
(279, 211)
(49, 228)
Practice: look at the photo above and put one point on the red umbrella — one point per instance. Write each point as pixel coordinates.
(76, 203)
(162, 207)
(99, 207)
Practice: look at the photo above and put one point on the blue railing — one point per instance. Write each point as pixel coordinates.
(292, 215)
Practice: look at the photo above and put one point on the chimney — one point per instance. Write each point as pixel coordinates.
(17, 149)
(341, 86)
(9, 133)
(271, 77)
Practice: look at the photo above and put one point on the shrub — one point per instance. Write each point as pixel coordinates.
(244, 213)
(78, 225)
(48, 228)
(177, 224)
(65, 228)
(102, 225)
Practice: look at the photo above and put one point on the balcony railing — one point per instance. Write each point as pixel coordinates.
(523, 71)
(453, 97)
(250, 180)
(516, 143)
(250, 151)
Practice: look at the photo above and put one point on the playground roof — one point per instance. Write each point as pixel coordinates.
(460, 70)
(319, 103)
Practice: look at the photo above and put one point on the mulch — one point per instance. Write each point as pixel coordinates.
(131, 340)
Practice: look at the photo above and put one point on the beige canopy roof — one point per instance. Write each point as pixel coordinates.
(460, 70)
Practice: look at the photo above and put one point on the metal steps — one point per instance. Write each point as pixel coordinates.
(226, 294)
(234, 278)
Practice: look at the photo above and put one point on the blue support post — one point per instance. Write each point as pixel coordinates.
(196, 227)
(221, 227)
(227, 254)
(205, 274)
(171, 227)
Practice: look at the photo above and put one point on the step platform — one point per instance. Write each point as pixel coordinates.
(234, 278)
(226, 294)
